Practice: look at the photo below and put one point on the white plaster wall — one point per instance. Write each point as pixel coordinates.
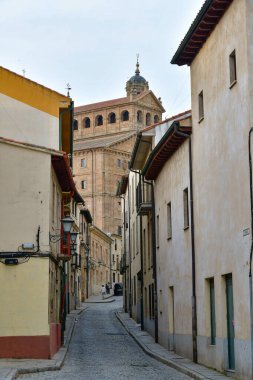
(174, 255)
(21, 122)
(221, 183)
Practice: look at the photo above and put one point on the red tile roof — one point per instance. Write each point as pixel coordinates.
(107, 103)
(171, 118)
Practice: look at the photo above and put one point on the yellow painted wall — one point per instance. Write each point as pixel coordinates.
(24, 298)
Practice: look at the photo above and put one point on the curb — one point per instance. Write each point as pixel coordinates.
(14, 373)
(191, 373)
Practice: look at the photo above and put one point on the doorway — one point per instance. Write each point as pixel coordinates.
(230, 321)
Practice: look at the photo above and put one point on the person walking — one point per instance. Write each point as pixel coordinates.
(103, 291)
(107, 287)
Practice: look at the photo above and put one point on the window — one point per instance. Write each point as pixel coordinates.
(112, 118)
(84, 184)
(201, 106)
(148, 119)
(232, 68)
(119, 230)
(156, 119)
(139, 116)
(161, 301)
(118, 163)
(115, 244)
(157, 231)
(125, 116)
(212, 310)
(83, 163)
(169, 226)
(86, 122)
(186, 208)
(75, 125)
(99, 120)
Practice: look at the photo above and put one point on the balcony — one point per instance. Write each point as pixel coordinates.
(143, 198)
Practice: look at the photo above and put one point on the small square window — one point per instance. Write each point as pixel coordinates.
(232, 68)
(83, 163)
(201, 106)
(84, 184)
(118, 163)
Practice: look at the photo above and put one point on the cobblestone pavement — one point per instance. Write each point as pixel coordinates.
(101, 349)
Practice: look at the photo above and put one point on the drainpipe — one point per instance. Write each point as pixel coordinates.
(194, 304)
(251, 251)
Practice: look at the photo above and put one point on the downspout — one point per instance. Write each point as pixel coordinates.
(194, 304)
(251, 251)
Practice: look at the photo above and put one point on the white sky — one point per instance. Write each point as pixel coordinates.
(92, 44)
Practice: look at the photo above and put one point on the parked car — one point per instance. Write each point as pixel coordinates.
(118, 289)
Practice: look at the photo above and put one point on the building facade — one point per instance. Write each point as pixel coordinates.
(35, 179)
(220, 57)
(104, 138)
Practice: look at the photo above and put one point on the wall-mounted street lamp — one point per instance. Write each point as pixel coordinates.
(66, 224)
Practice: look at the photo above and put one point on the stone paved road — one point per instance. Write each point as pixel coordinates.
(101, 349)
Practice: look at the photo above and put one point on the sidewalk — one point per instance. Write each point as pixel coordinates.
(11, 368)
(147, 343)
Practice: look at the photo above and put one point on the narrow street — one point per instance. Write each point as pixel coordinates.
(101, 349)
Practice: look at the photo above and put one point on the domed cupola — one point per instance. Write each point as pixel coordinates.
(136, 84)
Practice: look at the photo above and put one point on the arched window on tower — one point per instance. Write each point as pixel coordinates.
(75, 125)
(99, 120)
(112, 118)
(156, 119)
(124, 115)
(148, 119)
(139, 116)
(86, 122)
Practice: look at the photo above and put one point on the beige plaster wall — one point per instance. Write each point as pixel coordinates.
(174, 265)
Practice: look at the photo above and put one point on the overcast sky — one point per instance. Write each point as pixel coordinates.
(92, 44)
